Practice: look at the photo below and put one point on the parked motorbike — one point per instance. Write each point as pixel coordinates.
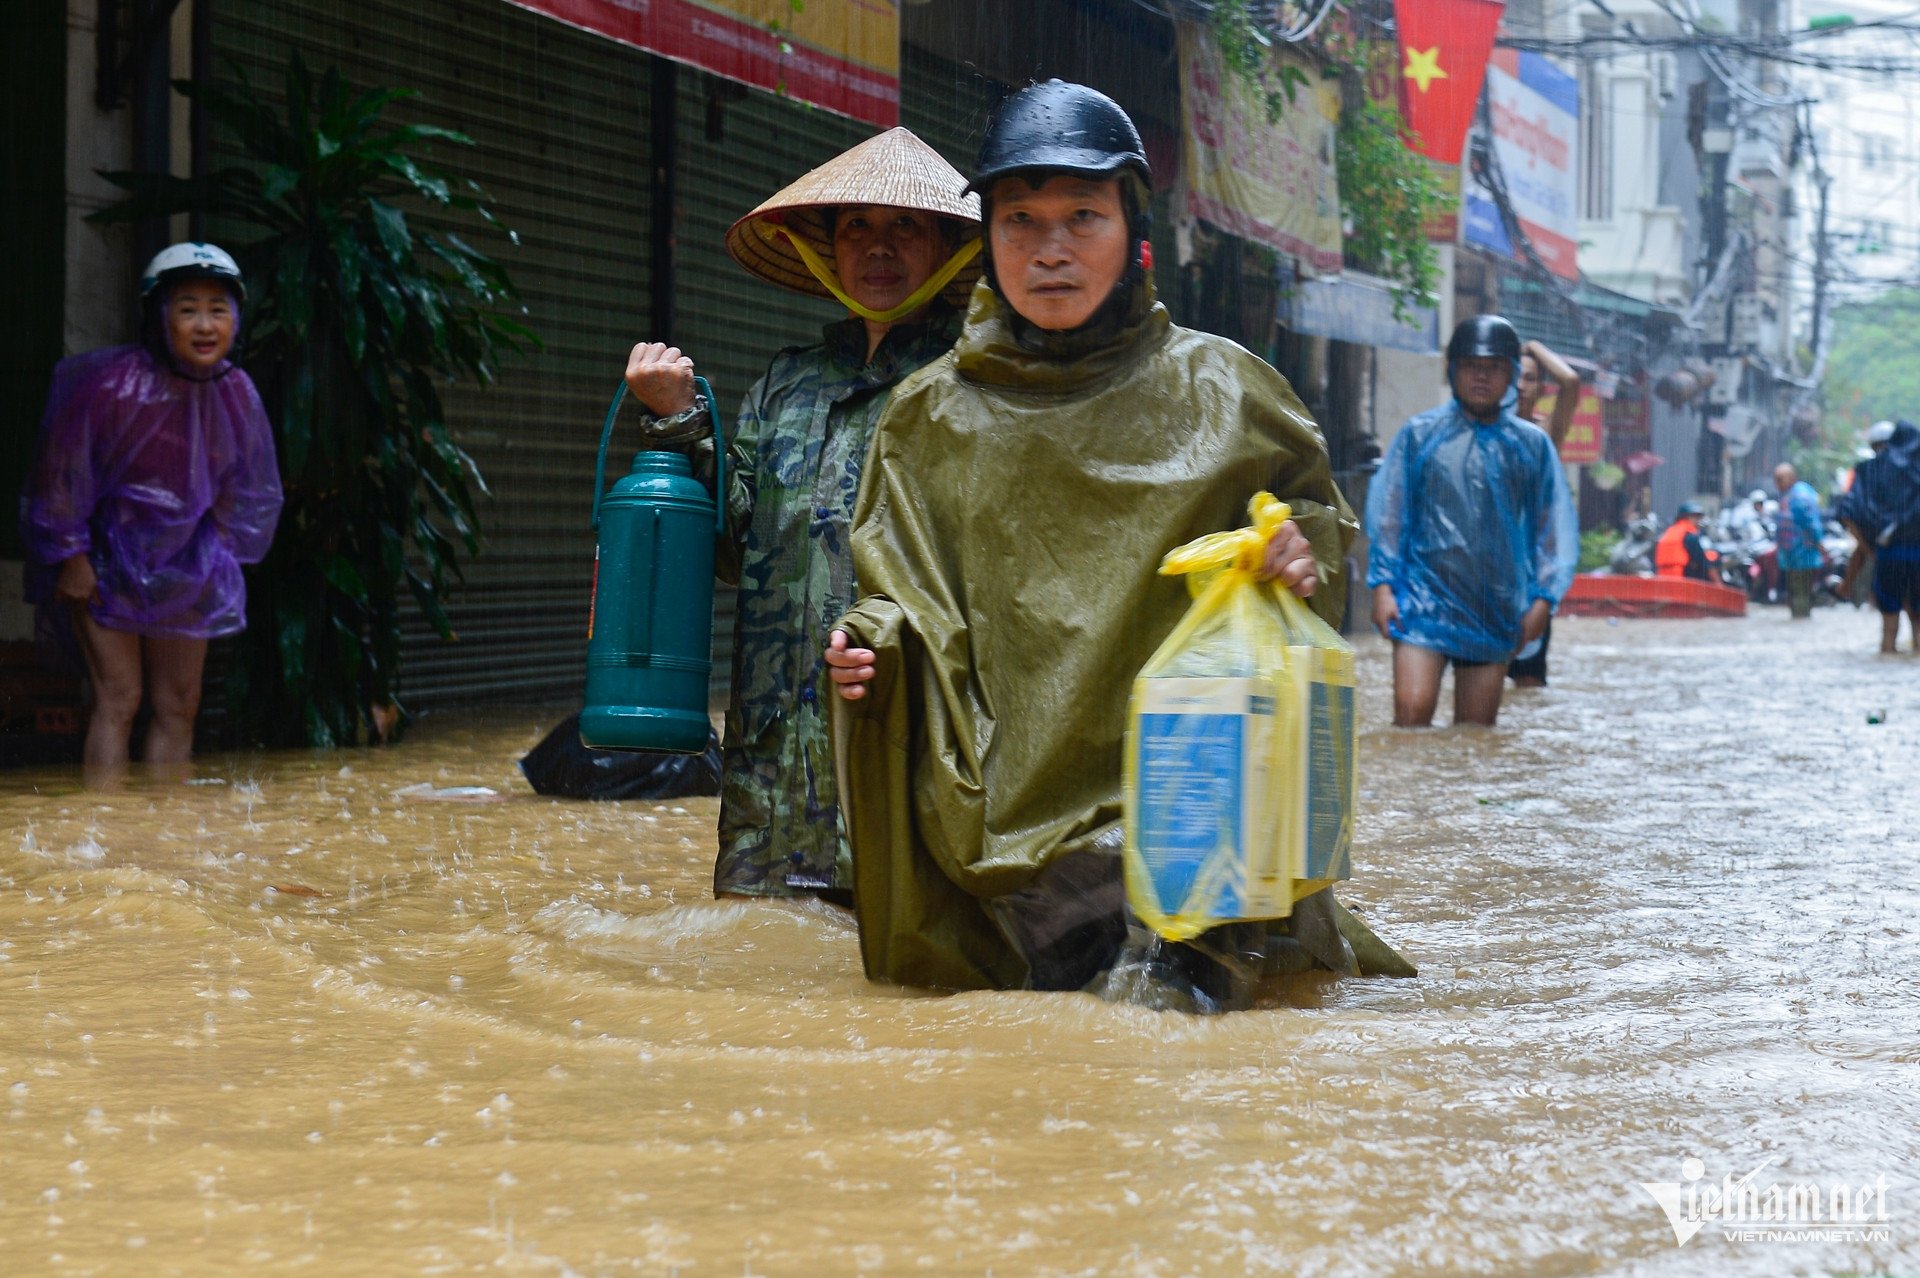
(1633, 553)
(1840, 547)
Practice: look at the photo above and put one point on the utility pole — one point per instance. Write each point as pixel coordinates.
(1821, 270)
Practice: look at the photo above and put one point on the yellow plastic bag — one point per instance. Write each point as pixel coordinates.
(1240, 746)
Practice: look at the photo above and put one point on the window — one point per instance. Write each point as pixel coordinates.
(1876, 236)
(1596, 145)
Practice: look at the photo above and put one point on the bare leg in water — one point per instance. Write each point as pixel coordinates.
(1417, 673)
(174, 667)
(113, 664)
(120, 663)
(1477, 691)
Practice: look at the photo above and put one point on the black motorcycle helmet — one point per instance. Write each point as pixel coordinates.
(1487, 337)
(1057, 127)
(1484, 336)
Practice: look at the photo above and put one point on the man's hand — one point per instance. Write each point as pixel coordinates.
(850, 669)
(76, 582)
(1386, 610)
(661, 378)
(1290, 561)
(1534, 623)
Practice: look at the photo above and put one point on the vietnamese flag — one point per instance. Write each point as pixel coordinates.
(1444, 46)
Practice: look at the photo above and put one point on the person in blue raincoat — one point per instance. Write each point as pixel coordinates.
(1883, 511)
(1798, 538)
(1473, 536)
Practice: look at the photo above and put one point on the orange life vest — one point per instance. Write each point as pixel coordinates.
(1670, 558)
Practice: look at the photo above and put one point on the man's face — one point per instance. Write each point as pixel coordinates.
(1059, 251)
(200, 320)
(1529, 380)
(1481, 382)
(882, 253)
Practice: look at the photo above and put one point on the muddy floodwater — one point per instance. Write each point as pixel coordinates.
(305, 1015)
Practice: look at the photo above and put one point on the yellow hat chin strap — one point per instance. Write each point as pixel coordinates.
(829, 279)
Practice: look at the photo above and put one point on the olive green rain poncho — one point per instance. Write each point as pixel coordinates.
(1016, 503)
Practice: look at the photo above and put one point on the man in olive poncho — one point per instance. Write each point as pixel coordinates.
(1020, 494)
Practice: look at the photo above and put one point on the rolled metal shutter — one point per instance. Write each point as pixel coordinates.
(559, 119)
(737, 146)
(946, 104)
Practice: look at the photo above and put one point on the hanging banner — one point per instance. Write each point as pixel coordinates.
(841, 55)
(1535, 109)
(1272, 182)
(1443, 50)
(1586, 440)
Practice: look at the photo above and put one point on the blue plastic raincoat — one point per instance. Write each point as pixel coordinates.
(1800, 529)
(1470, 522)
(1884, 502)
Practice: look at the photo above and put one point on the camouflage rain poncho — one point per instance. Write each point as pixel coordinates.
(793, 468)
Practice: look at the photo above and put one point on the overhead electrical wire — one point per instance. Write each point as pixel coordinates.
(1269, 29)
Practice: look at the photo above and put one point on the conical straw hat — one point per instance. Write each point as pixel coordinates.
(894, 168)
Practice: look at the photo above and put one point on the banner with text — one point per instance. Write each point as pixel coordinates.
(1586, 440)
(842, 55)
(1535, 108)
(1272, 182)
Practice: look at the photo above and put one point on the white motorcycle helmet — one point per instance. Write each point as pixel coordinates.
(1879, 433)
(192, 260)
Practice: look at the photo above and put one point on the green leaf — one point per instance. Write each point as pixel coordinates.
(426, 183)
(392, 305)
(391, 226)
(428, 598)
(451, 254)
(426, 133)
(280, 180)
(344, 577)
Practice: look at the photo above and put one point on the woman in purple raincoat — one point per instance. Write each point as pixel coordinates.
(156, 480)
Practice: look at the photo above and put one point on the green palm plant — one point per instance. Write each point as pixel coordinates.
(358, 315)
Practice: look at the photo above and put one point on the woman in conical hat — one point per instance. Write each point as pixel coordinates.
(887, 230)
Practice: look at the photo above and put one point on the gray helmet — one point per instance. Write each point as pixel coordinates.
(1057, 127)
(1484, 336)
(1690, 510)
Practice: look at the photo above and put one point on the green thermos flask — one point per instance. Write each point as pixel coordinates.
(650, 630)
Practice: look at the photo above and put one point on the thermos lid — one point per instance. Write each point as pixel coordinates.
(660, 478)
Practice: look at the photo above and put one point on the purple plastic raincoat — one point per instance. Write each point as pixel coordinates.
(166, 483)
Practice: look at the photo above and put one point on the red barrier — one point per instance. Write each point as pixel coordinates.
(1602, 595)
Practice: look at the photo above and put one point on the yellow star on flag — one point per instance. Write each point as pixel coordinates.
(1423, 67)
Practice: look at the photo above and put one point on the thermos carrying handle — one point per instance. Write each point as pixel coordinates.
(719, 456)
